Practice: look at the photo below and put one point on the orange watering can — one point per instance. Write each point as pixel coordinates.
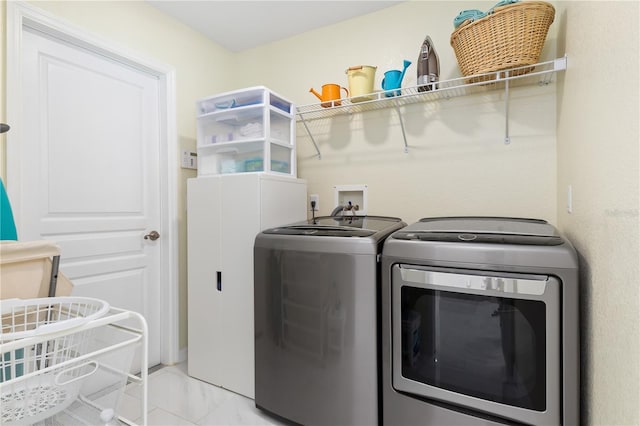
(330, 94)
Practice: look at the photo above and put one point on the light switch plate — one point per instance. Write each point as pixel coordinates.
(189, 159)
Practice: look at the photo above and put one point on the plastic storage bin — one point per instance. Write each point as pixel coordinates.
(248, 130)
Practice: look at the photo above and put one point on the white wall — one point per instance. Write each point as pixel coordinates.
(457, 162)
(598, 155)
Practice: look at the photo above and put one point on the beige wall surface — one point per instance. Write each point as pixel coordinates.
(598, 155)
(457, 162)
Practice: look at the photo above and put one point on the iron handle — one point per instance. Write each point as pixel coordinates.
(153, 235)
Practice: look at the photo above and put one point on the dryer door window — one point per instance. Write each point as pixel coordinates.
(474, 339)
(488, 347)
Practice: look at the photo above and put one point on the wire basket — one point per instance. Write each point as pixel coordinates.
(39, 372)
(512, 36)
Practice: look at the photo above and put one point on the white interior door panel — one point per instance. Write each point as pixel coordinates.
(91, 134)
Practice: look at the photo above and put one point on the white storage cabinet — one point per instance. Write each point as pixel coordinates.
(225, 213)
(248, 130)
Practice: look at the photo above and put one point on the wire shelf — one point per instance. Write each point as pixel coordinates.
(541, 74)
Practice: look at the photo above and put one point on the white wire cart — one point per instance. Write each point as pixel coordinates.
(67, 361)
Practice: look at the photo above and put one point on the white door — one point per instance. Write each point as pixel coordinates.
(91, 134)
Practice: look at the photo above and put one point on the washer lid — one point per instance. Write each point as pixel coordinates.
(478, 229)
(339, 226)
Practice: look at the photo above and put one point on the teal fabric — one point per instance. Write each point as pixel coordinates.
(16, 361)
(7, 224)
(472, 14)
(475, 14)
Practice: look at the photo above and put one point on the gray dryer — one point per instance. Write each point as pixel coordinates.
(480, 324)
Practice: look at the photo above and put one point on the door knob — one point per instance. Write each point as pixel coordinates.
(153, 235)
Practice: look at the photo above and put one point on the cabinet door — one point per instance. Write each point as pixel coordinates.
(240, 225)
(205, 326)
(225, 213)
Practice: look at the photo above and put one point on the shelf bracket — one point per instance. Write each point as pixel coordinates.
(560, 64)
(404, 135)
(304, 123)
(507, 138)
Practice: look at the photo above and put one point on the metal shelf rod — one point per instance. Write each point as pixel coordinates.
(507, 138)
(304, 122)
(404, 135)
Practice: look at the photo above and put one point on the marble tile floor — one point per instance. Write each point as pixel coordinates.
(175, 399)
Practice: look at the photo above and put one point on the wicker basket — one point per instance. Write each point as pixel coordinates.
(512, 36)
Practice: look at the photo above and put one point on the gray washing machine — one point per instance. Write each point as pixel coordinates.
(316, 302)
(480, 324)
